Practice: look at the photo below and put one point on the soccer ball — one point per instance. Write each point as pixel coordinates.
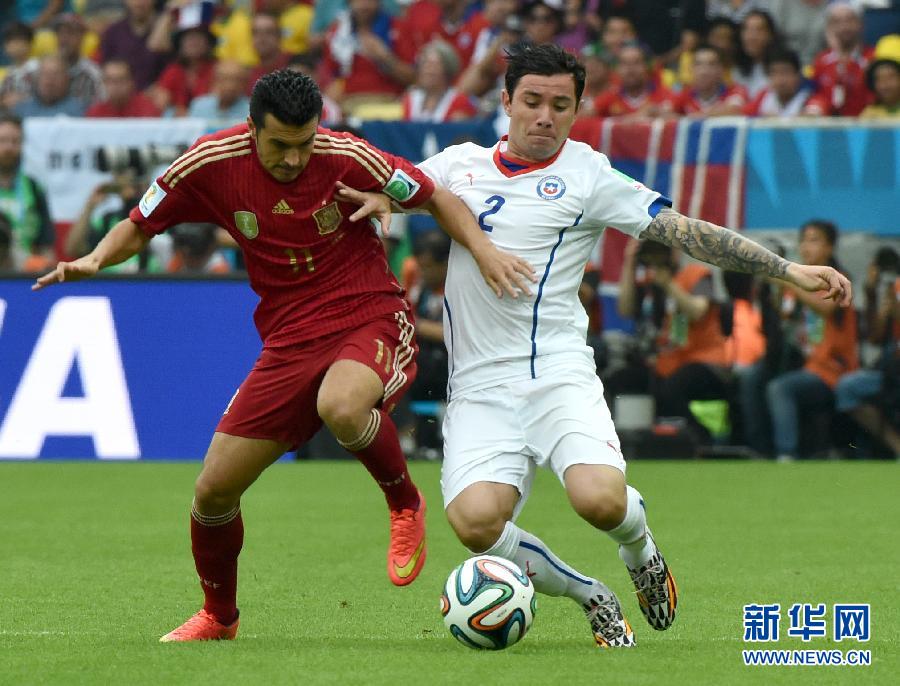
(488, 603)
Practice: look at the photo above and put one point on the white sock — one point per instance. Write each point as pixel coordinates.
(550, 575)
(635, 546)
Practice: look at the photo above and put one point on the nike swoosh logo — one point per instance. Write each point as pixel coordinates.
(405, 570)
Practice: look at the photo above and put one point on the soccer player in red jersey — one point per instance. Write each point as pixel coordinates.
(337, 334)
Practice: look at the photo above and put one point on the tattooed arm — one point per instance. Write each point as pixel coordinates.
(730, 250)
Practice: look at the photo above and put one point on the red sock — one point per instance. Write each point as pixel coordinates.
(378, 448)
(216, 543)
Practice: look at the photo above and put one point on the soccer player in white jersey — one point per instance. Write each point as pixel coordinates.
(523, 389)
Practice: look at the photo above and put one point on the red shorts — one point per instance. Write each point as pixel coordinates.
(277, 400)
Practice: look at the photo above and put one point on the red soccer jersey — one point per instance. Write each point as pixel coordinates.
(689, 101)
(614, 102)
(843, 83)
(315, 272)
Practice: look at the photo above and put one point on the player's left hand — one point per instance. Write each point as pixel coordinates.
(814, 278)
(372, 205)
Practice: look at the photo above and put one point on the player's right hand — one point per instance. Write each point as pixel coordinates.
(504, 272)
(82, 268)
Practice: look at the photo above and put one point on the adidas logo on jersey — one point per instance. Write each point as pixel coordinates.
(281, 207)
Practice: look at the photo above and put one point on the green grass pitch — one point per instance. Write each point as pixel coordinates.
(95, 566)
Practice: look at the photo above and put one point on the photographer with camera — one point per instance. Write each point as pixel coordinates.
(678, 319)
(870, 396)
(91, 225)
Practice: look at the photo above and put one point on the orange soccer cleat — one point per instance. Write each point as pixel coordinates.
(202, 627)
(406, 554)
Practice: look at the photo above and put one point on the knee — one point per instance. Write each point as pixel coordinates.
(602, 506)
(339, 411)
(214, 496)
(477, 531)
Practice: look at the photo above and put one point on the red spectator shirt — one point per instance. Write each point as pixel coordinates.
(424, 22)
(365, 76)
(139, 106)
(315, 272)
(614, 102)
(260, 70)
(843, 84)
(689, 102)
(174, 79)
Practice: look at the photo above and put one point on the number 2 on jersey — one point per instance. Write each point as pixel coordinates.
(307, 254)
(496, 202)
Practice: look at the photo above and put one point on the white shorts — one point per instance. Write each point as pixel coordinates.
(501, 434)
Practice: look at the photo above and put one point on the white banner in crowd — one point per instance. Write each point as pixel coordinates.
(61, 152)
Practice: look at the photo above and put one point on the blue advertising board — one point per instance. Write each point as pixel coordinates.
(120, 369)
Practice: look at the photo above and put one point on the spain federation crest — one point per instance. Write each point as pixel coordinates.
(246, 223)
(551, 188)
(328, 218)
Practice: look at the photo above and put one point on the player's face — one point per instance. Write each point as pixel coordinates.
(541, 111)
(284, 150)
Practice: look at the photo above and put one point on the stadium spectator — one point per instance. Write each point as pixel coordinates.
(38, 14)
(51, 92)
(195, 250)
(636, 94)
(267, 46)
(228, 102)
(840, 71)
(235, 31)
(431, 252)
(457, 22)
(122, 100)
(709, 95)
(883, 78)
(433, 98)
(128, 40)
(788, 94)
(24, 203)
(190, 75)
(366, 57)
(724, 35)
(16, 85)
(577, 29)
(543, 21)
(870, 396)
(106, 206)
(482, 78)
(617, 31)
(597, 61)
(677, 303)
(305, 63)
(85, 81)
(735, 10)
(826, 335)
(801, 24)
(758, 35)
(6, 256)
(667, 27)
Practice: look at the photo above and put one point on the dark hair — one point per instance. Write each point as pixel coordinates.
(887, 259)
(743, 60)
(434, 243)
(18, 29)
(289, 96)
(829, 229)
(875, 66)
(780, 55)
(713, 24)
(543, 60)
(8, 118)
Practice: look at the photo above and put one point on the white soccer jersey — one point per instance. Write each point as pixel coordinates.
(550, 214)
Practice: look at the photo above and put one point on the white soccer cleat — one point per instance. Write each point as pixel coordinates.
(608, 624)
(656, 591)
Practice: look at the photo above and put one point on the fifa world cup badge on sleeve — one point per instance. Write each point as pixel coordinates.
(246, 223)
(151, 199)
(328, 218)
(401, 186)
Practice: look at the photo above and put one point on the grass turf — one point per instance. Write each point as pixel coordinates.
(95, 566)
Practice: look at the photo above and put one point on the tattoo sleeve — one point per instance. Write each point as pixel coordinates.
(714, 244)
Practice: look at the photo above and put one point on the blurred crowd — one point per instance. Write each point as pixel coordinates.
(737, 360)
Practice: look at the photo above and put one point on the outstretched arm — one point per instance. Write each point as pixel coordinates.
(730, 250)
(124, 240)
